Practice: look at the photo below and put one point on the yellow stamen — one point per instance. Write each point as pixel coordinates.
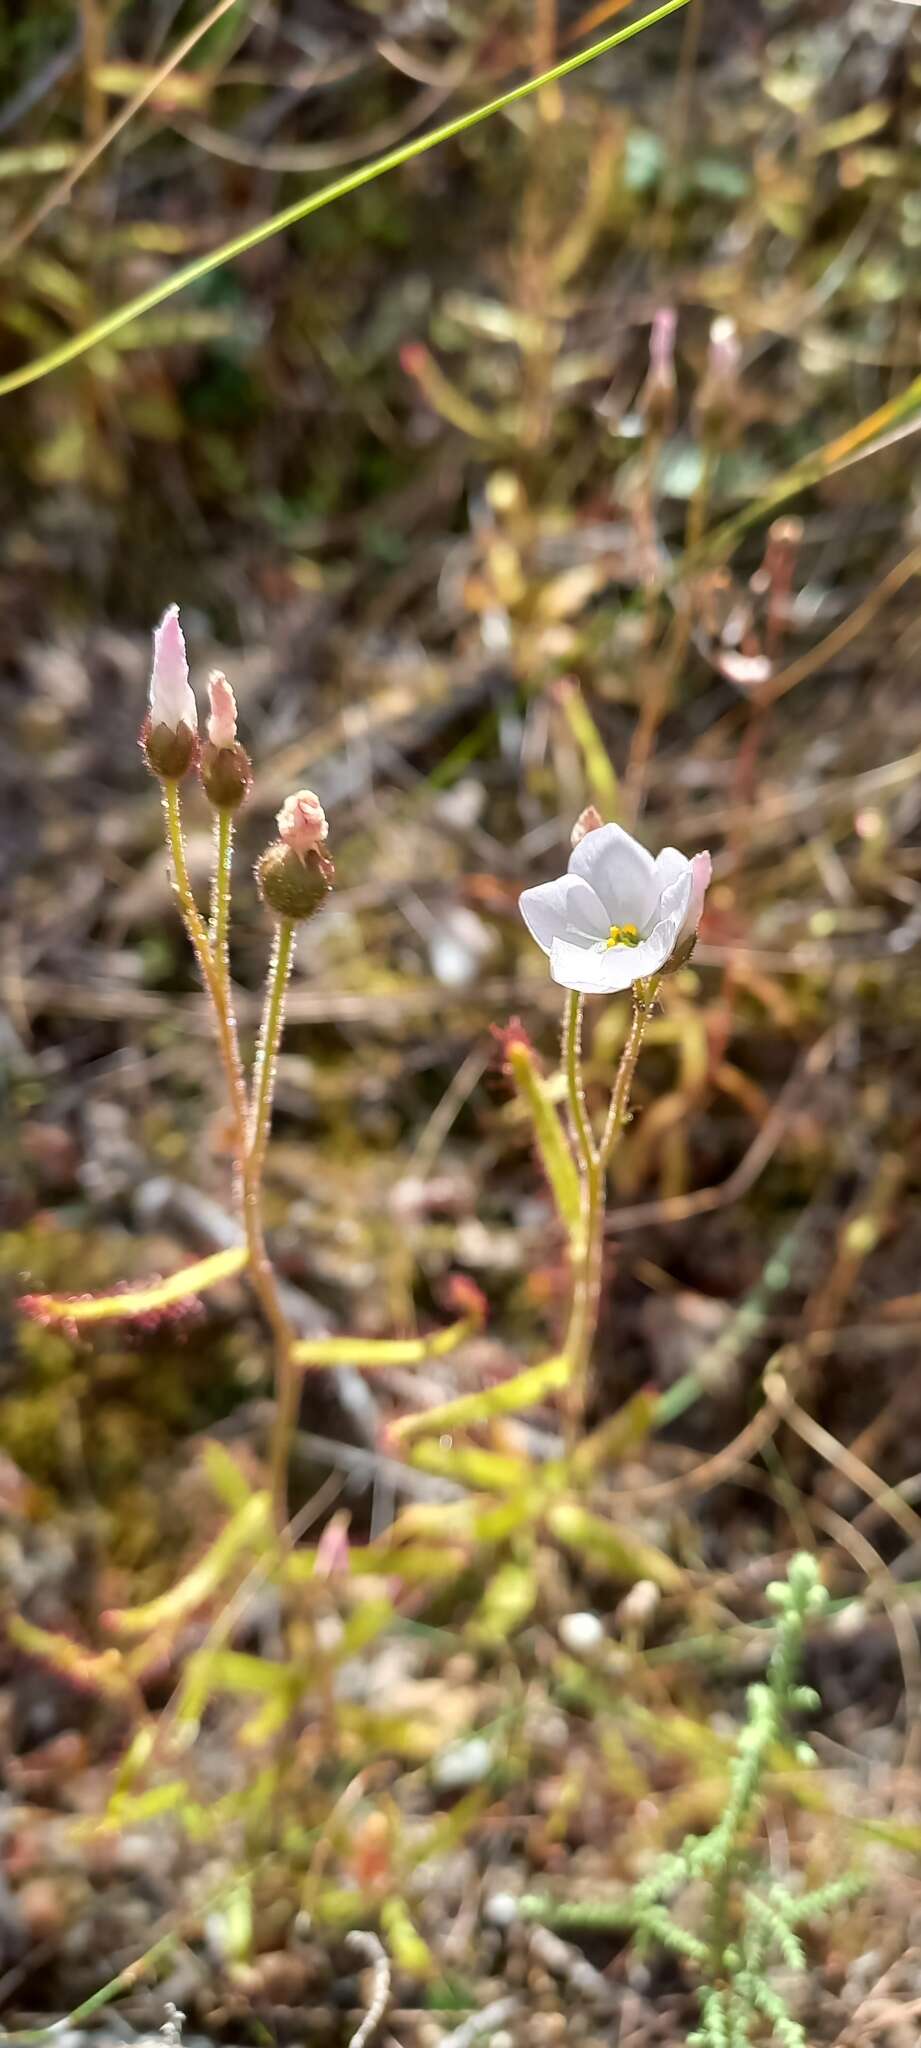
(624, 935)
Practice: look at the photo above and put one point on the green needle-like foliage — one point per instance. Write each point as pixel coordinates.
(748, 1924)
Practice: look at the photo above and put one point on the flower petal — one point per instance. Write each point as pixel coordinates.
(701, 870)
(620, 871)
(567, 909)
(668, 865)
(674, 900)
(603, 970)
(593, 971)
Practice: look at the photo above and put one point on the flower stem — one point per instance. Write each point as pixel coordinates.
(287, 1378)
(260, 1268)
(269, 1042)
(619, 1110)
(572, 1059)
(191, 916)
(220, 893)
(586, 1240)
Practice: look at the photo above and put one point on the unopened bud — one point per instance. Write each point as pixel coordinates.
(656, 400)
(295, 875)
(225, 767)
(293, 887)
(717, 402)
(778, 572)
(169, 735)
(784, 539)
(587, 821)
(222, 723)
(302, 823)
(332, 1556)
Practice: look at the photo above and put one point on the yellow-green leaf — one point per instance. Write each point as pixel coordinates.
(137, 1301)
(508, 1397)
(613, 1549)
(249, 1530)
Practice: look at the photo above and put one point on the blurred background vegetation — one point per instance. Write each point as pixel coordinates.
(400, 468)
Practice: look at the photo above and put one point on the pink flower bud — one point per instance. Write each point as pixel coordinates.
(332, 1558)
(222, 724)
(171, 701)
(662, 342)
(656, 400)
(589, 820)
(302, 823)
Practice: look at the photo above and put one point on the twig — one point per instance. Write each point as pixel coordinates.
(365, 1944)
(481, 2024)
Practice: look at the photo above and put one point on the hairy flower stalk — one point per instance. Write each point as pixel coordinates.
(226, 776)
(295, 875)
(267, 1049)
(248, 1189)
(617, 919)
(586, 1244)
(170, 742)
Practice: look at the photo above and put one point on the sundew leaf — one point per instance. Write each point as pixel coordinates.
(404, 1941)
(370, 1354)
(509, 1599)
(555, 1155)
(95, 1671)
(147, 1300)
(468, 1465)
(248, 1531)
(614, 1549)
(508, 1397)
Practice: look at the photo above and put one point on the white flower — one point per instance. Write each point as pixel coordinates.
(617, 915)
(171, 701)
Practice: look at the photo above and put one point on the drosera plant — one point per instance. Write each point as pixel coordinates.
(294, 874)
(748, 1921)
(619, 920)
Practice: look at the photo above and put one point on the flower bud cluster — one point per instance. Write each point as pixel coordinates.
(169, 734)
(295, 874)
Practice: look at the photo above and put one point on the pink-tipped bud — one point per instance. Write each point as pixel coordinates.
(302, 823)
(295, 875)
(656, 401)
(662, 341)
(332, 1558)
(171, 701)
(170, 730)
(222, 724)
(225, 767)
(587, 821)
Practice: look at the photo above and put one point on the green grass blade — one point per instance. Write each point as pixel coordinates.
(121, 316)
